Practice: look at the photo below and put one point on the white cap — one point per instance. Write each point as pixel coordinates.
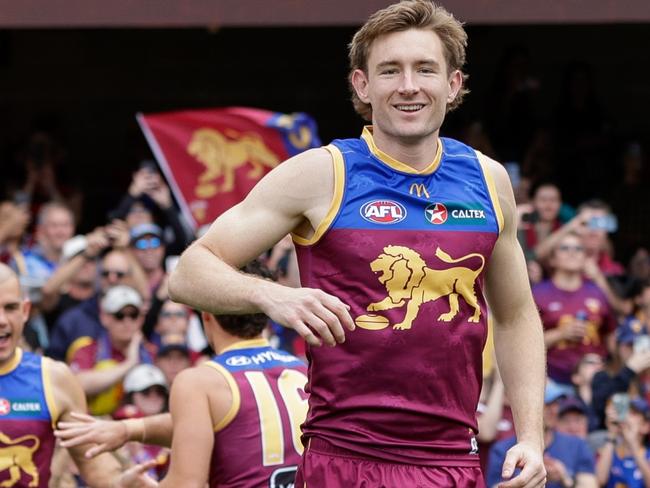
(120, 296)
(74, 246)
(142, 377)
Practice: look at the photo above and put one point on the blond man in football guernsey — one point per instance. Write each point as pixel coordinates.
(401, 236)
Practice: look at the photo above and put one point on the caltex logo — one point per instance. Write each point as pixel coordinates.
(5, 406)
(383, 212)
(436, 213)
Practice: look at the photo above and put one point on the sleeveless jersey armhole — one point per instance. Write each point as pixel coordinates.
(492, 189)
(48, 391)
(236, 397)
(335, 205)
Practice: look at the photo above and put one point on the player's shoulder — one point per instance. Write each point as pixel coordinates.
(59, 373)
(200, 378)
(497, 171)
(65, 390)
(309, 165)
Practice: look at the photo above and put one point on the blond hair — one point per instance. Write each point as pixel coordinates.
(408, 14)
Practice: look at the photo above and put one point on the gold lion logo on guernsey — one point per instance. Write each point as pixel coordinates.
(222, 155)
(411, 283)
(15, 457)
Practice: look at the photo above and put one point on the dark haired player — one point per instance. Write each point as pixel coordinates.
(236, 418)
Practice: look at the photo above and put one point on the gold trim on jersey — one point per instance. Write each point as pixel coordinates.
(245, 345)
(48, 390)
(13, 364)
(394, 163)
(492, 189)
(78, 343)
(236, 397)
(337, 199)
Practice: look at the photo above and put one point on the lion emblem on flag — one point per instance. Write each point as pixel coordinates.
(222, 156)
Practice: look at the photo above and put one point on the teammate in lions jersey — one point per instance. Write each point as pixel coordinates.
(35, 393)
(236, 418)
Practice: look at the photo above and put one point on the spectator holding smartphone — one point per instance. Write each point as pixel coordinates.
(575, 313)
(149, 200)
(624, 459)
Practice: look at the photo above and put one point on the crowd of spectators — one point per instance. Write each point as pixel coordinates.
(595, 313)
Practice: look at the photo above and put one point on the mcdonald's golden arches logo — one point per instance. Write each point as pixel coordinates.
(419, 189)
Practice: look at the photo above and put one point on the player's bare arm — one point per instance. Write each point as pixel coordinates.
(103, 470)
(194, 414)
(109, 435)
(519, 341)
(294, 197)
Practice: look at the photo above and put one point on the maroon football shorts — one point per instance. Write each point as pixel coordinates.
(326, 466)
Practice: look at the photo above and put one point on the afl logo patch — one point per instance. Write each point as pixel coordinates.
(5, 406)
(436, 213)
(238, 361)
(383, 212)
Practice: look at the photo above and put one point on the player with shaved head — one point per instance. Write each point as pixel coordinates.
(35, 393)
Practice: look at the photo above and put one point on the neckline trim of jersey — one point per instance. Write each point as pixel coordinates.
(13, 364)
(246, 344)
(367, 136)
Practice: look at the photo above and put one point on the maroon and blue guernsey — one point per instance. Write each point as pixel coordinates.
(407, 251)
(27, 418)
(559, 308)
(257, 444)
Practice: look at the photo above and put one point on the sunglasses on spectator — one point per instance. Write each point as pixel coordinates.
(123, 315)
(150, 243)
(169, 314)
(567, 247)
(157, 389)
(119, 274)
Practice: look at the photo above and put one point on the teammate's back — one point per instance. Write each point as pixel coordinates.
(258, 441)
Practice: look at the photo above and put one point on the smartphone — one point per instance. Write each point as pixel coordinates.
(170, 263)
(530, 218)
(621, 402)
(608, 223)
(148, 165)
(641, 343)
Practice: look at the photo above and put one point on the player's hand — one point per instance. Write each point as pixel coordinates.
(136, 477)
(315, 315)
(106, 435)
(529, 459)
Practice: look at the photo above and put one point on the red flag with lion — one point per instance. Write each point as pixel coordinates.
(212, 158)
